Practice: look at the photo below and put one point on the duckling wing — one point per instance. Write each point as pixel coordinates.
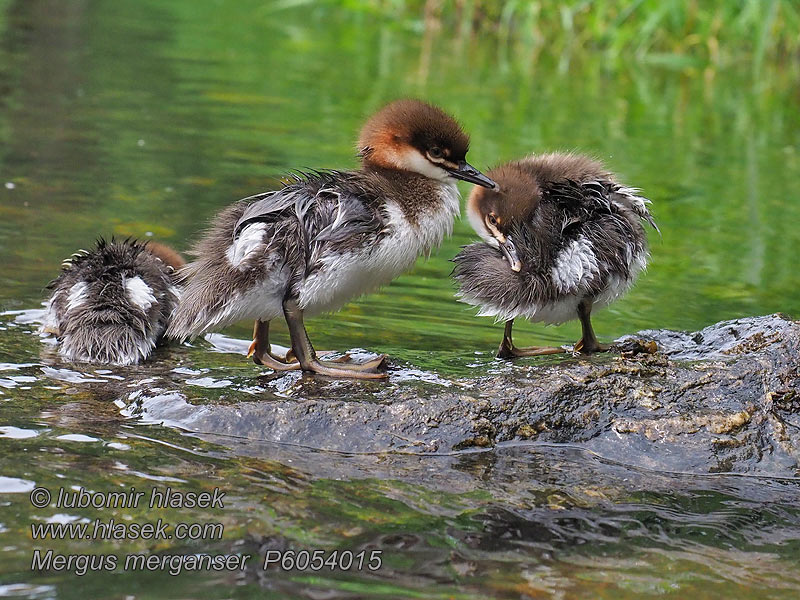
(340, 223)
(578, 201)
(345, 219)
(331, 206)
(585, 200)
(632, 199)
(269, 206)
(601, 241)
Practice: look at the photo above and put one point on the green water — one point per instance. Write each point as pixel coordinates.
(133, 117)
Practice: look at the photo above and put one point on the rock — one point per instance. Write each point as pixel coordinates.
(724, 399)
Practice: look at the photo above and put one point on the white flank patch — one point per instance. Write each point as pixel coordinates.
(139, 293)
(575, 264)
(249, 240)
(77, 295)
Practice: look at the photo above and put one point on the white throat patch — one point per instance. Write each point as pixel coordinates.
(476, 220)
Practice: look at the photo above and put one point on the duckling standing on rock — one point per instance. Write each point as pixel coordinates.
(563, 238)
(111, 304)
(330, 236)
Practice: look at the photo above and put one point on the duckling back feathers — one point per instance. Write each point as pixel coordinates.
(111, 304)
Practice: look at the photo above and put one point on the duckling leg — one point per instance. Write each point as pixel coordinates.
(261, 351)
(509, 350)
(588, 342)
(307, 357)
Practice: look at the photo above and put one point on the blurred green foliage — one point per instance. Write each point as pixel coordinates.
(685, 32)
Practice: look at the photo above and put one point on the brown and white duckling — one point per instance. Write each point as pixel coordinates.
(111, 304)
(330, 236)
(562, 238)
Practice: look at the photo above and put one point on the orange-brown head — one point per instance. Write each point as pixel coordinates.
(411, 135)
(167, 255)
(492, 213)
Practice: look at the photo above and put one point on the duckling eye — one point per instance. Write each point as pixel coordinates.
(492, 219)
(435, 152)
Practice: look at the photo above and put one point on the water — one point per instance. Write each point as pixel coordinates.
(139, 118)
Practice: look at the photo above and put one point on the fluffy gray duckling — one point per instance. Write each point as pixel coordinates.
(562, 238)
(111, 304)
(328, 237)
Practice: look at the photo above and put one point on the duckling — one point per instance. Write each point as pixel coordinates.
(562, 238)
(329, 236)
(111, 304)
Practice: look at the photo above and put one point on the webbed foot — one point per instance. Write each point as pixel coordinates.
(509, 350)
(590, 347)
(512, 351)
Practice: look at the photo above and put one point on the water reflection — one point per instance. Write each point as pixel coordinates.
(514, 520)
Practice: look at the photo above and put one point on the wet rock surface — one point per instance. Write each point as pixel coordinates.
(724, 399)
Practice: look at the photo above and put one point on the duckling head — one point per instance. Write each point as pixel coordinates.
(494, 212)
(411, 135)
(166, 255)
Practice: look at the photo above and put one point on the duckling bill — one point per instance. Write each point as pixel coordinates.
(562, 238)
(111, 304)
(330, 236)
